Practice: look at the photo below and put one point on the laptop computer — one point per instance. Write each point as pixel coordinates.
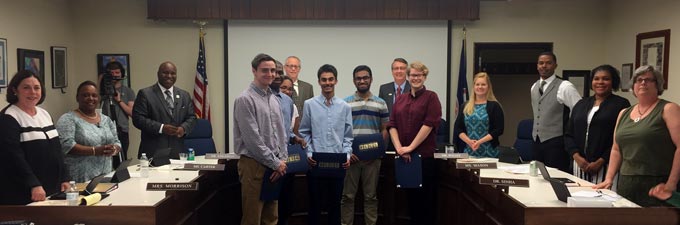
(120, 175)
(508, 155)
(91, 188)
(560, 189)
(161, 157)
(546, 175)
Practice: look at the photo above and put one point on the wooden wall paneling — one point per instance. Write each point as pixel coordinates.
(314, 9)
(259, 9)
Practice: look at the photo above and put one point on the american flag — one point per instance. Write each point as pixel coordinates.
(201, 103)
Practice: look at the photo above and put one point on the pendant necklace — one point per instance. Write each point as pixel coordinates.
(640, 113)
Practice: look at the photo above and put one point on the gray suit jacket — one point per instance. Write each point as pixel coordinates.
(151, 110)
(306, 91)
(387, 93)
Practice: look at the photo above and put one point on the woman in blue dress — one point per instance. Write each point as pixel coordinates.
(480, 123)
(88, 138)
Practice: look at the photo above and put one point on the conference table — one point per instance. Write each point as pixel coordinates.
(132, 204)
(461, 200)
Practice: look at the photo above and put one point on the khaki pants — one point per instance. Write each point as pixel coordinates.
(368, 172)
(255, 211)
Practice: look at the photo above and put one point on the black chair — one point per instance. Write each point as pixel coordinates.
(200, 138)
(524, 141)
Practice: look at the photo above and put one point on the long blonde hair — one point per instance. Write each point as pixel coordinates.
(470, 105)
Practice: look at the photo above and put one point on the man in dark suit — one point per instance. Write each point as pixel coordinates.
(301, 90)
(164, 113)
(389, 91)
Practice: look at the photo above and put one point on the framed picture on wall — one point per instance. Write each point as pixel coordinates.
(626, 77)
(59, 67)
(3, 63)
(653, 48)
(32, 60)
(124, 59)
(580, 79)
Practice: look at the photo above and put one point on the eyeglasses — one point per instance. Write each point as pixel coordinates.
(639, 80)
(279, 72)
(293, 66)
(416, 75)
(362, 78)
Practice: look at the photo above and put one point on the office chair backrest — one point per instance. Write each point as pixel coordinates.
(200, 138)
(524, 141)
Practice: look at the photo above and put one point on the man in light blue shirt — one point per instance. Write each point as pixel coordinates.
(327, 127)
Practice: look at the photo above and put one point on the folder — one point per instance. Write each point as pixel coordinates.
(328, 165)
(368, 146)
(297, 160)
(270, 190)
(409, 175)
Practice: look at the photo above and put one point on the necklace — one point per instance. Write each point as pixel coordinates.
(95, 117)
(641, 113)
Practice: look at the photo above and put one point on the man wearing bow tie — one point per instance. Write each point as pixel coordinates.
(164, 113)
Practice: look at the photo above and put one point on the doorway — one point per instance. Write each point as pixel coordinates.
(512, 68)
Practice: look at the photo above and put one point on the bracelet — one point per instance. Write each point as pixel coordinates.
(93, 152)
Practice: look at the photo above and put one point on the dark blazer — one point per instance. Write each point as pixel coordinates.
(496, 122)
(601, 133)
(150, 111)
(387, 93)
(306, 91)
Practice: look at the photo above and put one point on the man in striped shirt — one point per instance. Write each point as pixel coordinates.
(369, 116)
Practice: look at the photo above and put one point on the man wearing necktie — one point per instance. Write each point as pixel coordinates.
(301, 90)
(551, 100)
(390, 91)
(164, 113)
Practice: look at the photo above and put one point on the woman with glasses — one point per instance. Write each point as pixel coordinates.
(590, 131)
(480, 123)
(412, 126)
(646, 147)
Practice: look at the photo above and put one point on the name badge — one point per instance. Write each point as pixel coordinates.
(221, 156)
(192, 186)
(215, 167)
(504, 181)
(474, 165)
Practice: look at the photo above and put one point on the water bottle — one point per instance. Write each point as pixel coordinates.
(533, 170)
(72, 194)
(192, 154)
(144, 166)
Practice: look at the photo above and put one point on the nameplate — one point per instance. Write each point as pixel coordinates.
(371, 146)
(293, 158)
(451, 156)
(221, 156)
(329, 165)
(504, 181)
(216, 167)
(193, 186)
(474, 165)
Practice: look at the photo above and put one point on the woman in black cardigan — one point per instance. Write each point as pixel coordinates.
(480, 123)
(590, 131)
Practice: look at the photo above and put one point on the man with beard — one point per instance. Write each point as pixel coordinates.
(327, 127)
(287, 110)
(369, 116)
(164, 113)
